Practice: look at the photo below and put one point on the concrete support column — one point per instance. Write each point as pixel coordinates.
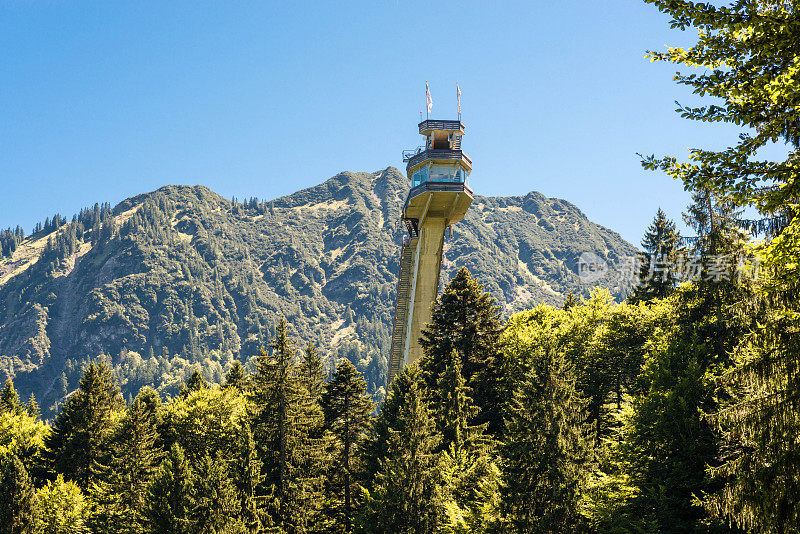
(426, 287)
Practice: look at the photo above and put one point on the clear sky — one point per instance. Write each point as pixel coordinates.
(104, 100)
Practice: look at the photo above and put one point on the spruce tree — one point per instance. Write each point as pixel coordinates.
(453, 410)
(466, 319)
(215, 503)
(169, 505)
(283, 423)
(9, 400)
(657, 276)
(545, 454)
(237, 377)
(311, 372)
(406, 492)
(16, 495)
(470, 476)
(247, 477)
(196, 382)
(347, 409)
(32, 407)
(83, 427)
(121, 484)
(377, 444)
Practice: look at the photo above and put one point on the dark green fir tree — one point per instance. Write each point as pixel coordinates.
(657, 272)
(466, 319)
(215, 503)
(284, 420)
(196, 382)
(82, 429)
(237, 377)
(246, 473)
(169, 503)
(347, 409)
(121, 484)
(16, 495)
(9, 400)
(546, 454)
(405, 494)
(312, 372)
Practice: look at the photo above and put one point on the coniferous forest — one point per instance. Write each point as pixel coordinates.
(674, 410)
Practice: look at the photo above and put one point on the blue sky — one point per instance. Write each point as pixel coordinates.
(104, 100)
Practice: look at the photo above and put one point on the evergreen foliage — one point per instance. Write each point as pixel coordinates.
(283, 423)
(9, 400)
(312, 372)
(546, 455)
(347, 409)
(215, 503)
(237, 378)
(82, 429)
(16, 497)
(661, 243)
(122, 484)
(406, 492)
(466, 319)
(169, 504)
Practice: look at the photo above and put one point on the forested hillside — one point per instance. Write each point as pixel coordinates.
(182, 278)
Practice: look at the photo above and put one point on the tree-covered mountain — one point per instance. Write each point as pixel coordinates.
(181, 278)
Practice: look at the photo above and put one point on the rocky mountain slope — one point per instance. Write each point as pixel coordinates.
(182, 278)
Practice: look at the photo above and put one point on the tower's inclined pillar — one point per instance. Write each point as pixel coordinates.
(439, 197)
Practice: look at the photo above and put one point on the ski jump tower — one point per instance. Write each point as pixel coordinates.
(439, 197)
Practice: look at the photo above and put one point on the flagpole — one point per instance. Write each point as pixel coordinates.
(458, 101)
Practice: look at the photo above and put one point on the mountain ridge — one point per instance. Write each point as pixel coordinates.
(181, 277)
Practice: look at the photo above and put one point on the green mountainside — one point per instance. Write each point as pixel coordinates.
(182, 278)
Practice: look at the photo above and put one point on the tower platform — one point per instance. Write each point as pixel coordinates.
(439, 197)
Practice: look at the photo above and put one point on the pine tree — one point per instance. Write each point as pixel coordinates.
(9, 400)
(347, 410)
(312, 372)
(657, 276)
(83, 427)
(248, 480)
(32, 407)
(466, 319)
(545, 455)
(168, 506)
(283, 423)
(16, 496)
(122, 482)
(215, 503)
(405, 495)
(196, 382)
(237, 377)
(470, 476)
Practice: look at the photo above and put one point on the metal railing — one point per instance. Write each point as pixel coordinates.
(408, 154)
(457, 187)
(426, 155)
(429, 124)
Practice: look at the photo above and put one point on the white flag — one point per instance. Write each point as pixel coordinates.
(458, 98)
(428, 99)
